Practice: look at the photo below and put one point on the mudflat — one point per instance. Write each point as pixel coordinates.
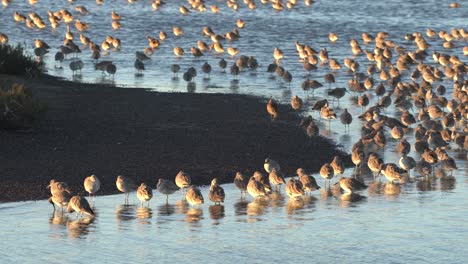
(146, 135)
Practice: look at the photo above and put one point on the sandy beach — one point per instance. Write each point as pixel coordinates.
(145, 135)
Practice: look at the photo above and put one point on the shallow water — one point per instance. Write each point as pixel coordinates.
(423, 221)
(417, 226)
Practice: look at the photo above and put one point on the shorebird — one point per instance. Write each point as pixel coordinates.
(278, 55)
(194, 196)
(139, 66)
(216, 193)
(312, 129)
(294, 188)
(403, 147)
(397, 132)
(57, 187)
(430, 157)
(375, 164)
(175, 68)
(327, 113)
(141, 56)
(337, 165)
(102, 65)
(269, 165)
(357, 157)
(393, 173)
(240, 181)
(234, 71)
(115, 16)
(60, 198)
(296, 103)
(111, 69)
(363, 101)
(166, 187)
(144, 193)
(337, 93)
(276, 178)
(92, 185)
(178, 31)
(76, 65)
(263, 179)
(116, 25)
(178, 51)
(448, 163)
(196, 52)
(346, 118)
(333, 37)
(326, 172)
(206, 68)
(255, 188)
(125, 185)
(222, 64)
(183, 180)
(351, 184)
(407, 163)
(272, 109)
(407, 118)
(309, 183)
(80, 205)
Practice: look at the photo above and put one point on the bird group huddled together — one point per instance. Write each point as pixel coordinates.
(62, 198)
(259, 186)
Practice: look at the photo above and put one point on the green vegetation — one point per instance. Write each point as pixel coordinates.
(13, 61)
(18, 109)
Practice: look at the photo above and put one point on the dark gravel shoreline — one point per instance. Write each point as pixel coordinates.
(107, 131)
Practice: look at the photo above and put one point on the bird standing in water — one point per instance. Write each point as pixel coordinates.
(272, 109)
(194, 196)
(216, 193)
(144, 193)
(80, 205)
(92, 185)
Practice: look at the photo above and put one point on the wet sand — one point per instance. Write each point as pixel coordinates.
(145, 135)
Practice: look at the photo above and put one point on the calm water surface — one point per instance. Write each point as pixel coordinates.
(425, 222)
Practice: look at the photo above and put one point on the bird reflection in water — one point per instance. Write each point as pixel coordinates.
(181, 206)
(348, 199)
(375, 188)
(240, 207)
(58, 218)
(276, 199)
(193, 215)
(144, 213)
(80, 227)
(425, 184)
(331, 191)
(392, 189)
(166, 209)
(447, 183)
(191, 87)
(103, 80)
(286, 94)
(216, 211)
(296, 206)
(325, 193)
(257, 207)
(345, 139)
(125, 212)
(234, 86)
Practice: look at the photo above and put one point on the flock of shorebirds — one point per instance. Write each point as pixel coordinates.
(401, 76)
(258, 185)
